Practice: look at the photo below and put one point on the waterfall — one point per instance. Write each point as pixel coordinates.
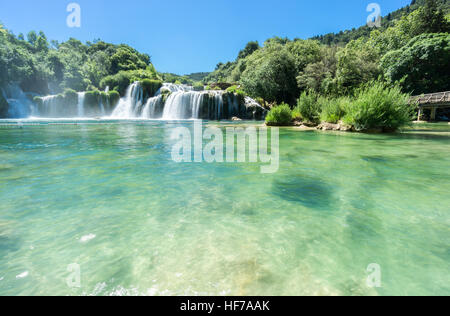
(49, 106)
(181, 105)
(153, 108)
(19, 105)
(171, 102)
(102, 106)
(80, 105)
(130, 105)
(172, 87)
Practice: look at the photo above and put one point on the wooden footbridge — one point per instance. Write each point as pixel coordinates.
(432, 101)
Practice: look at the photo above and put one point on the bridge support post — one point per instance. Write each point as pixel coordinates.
(433, 114)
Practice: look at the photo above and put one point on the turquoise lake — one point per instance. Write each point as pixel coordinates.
(108, 197)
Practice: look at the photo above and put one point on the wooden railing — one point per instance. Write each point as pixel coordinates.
(441, 98)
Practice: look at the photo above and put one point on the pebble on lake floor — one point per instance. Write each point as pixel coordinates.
(22, 275)
(87, 238)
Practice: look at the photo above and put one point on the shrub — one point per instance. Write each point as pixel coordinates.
(234, 89)
(92, 98)
(296, 116)
(279, 116)
(333, 110)
(123, 79)
(70, 97)
(308, 108)
(114, 98)
(151, 86)
(379, 107)
(198, 87)
(119, 82)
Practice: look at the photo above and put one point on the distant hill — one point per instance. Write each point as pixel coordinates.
(198, 76)
(346, 36)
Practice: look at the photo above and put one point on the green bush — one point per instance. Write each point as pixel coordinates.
(151, 86)
(296, 116)
(333, 110)
(70, 97)
(379, 107)
(236, 90)
(123, 79)
(198, 87)
(92, 98)
(118, 82)
(279, 116)
(114, 98)
(308, 108)
(232, 89)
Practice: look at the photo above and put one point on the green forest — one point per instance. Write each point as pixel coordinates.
(364, 76)
(409, 55)
(413, 50)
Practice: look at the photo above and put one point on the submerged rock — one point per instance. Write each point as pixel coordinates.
(335, 127)
(310, 192)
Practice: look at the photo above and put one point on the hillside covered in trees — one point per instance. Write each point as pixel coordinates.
(411, 48)
(44, 67)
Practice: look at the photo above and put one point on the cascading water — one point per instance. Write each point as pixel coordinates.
(80, 105)
(102, 106)
(171, 102)
(175, 102)
(182, 105)
(153, 108)
(49, 106)
(19, 105)
(130, 105)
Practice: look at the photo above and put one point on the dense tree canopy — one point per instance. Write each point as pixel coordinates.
(42, 67)
(401, 50)
(422, 66)
(270, 74)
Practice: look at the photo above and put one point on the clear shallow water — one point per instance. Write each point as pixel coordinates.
(108, 197)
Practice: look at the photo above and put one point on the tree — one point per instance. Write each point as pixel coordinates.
(248, 50)
(32, 38)
(357, 63)
(432, 19)
(271, 75)
(320, 76)
(127, 58)
(42, 44)
(304, 53)
(422, 65)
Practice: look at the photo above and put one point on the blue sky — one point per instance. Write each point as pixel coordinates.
(189, 36)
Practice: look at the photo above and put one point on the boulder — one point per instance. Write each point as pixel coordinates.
(328, 127)
(341, 126)
(345, 127)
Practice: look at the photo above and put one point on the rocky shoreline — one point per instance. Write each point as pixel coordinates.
(325, 126)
